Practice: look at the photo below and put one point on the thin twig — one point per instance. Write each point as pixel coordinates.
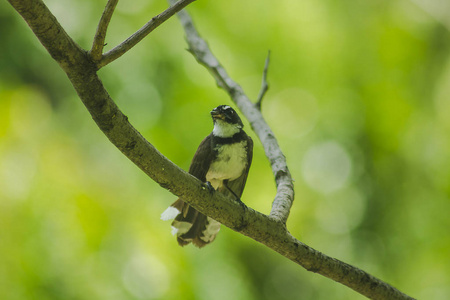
(99, 38)
(264, 84)
(130, 42)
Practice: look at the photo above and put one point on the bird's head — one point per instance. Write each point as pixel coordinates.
(226, 121)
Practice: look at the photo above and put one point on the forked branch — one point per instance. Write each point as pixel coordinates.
(151, 25)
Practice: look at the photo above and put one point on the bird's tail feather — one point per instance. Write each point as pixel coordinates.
(189, 225)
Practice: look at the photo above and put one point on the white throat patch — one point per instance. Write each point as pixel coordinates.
(224, 129)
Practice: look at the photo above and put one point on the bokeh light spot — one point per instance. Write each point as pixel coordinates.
(145, 277)
(326, 167)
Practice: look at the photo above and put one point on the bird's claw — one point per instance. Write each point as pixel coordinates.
(242, 204)
(210, 187)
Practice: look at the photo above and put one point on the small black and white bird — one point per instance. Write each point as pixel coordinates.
(223, 159)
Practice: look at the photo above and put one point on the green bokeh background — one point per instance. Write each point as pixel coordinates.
(359, 100)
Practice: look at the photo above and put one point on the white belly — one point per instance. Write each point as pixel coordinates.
(229, 165)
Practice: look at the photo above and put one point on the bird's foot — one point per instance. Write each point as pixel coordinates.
(242, 204)
(209, 187)
(243, 220)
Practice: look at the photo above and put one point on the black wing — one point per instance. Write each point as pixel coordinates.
(198, 168)
(237, 185)
(202, 158)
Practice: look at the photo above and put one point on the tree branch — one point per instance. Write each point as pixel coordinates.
(269, 231)
(99, 39)
(130, 42)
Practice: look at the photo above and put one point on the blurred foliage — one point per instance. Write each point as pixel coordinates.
(359, 99)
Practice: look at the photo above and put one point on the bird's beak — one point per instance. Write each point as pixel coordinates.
(217, 115)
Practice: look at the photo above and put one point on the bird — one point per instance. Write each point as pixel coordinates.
(222, 161)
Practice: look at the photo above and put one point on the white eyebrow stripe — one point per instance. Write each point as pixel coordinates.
(226, 107)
